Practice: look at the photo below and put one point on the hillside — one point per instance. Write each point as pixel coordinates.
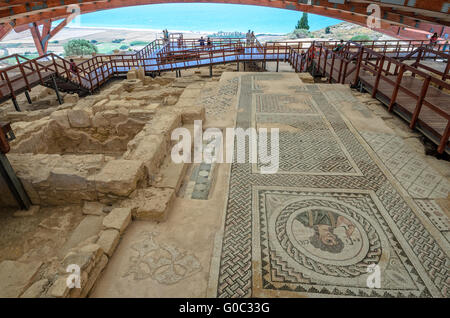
(346, 31)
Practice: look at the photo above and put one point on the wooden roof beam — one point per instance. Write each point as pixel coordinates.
(4, 30)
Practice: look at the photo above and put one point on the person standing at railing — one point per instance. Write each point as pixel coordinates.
(252, 38)
(248, 37)
(73, 69)
(434, 39)
(166, 35)
(208, 43)
(339, 47)
(202, 41)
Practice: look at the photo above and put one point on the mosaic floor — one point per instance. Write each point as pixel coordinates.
(342, 202)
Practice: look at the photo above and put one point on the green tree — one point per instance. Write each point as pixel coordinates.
(303, 22)
(327, 30)
(79, 47)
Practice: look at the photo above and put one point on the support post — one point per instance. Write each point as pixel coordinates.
(444, 139)
(37, 38)
(210, 71)
(28, 97)
(55, 86)
(396, 88)
(423, 93)
(377, 79)
(14, 184)
(16, 105)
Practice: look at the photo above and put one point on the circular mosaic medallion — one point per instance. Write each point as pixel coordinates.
(328, 237)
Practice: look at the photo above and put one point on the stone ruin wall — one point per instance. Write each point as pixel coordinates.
(100, 148)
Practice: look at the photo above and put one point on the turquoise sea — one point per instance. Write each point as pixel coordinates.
(203, 17)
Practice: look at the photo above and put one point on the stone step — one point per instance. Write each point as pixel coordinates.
(151, 204)
(170, 174)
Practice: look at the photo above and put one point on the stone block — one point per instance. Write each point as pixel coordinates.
(131, 83)
(141, 114)
(108, 240)
(91, 225)
(189, 114)
(132, 74)
(141, 73)
(119, 177)
(117, 219)
(100, 105)
(60, 116)
(150, 150)
(71, 98)
(99, 120)
(170, 175)
(83, 260)
(35, 290)
(93, 208)
(78, 118)
(93, 249)
(163, 123)
(93, 276)
(151, 203)
(59, 288)
(170, 100)
(16, 277)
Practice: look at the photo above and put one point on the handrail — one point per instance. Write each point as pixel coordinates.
(381, 71)
(95, 71)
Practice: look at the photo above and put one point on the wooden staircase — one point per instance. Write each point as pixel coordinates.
(67, 86)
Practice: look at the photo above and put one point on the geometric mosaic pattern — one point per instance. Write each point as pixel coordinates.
(218, 101)
(313, 153)
(435, 213)
(412, 171)
(303, 233)
(271, 103)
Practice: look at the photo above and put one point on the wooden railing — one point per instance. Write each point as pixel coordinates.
(93, 72)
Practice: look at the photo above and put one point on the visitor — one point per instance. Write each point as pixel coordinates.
(445, 47)
(208, 42)
(166, 35)
(73, 69)
(180, 41)
(202, 41)
(247, 37)
(434, 39)
(252, 38)
(339, 47)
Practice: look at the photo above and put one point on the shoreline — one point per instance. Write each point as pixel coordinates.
(160, 30)
(132, 29)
